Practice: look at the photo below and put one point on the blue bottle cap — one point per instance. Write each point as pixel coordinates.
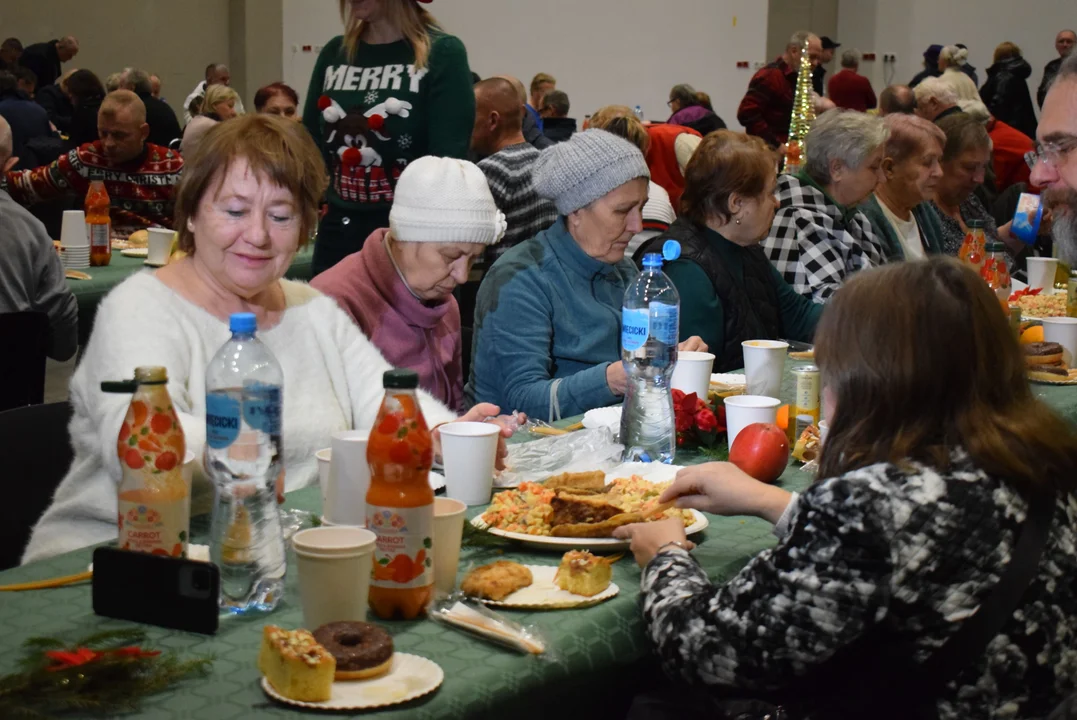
(242, 322)
(652, 260)
(671, 250)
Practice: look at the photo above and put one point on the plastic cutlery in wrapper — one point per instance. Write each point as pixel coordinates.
(472, 617)
(579, 451)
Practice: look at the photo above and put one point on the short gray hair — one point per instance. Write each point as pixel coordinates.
(975, 110)
(114, 82)
(851, 58)
(135, 80)
(1069, 67)
(937, 88)
(800, 37)
(844, 135)
(557, 100)
(7, 145)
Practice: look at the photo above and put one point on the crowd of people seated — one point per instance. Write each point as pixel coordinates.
(467, 222)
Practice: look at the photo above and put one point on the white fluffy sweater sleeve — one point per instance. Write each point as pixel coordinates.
(332, 381)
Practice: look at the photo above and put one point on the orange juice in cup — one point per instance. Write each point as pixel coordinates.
(154, 499)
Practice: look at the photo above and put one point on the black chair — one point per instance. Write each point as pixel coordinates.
(34, 457)
(25, 339)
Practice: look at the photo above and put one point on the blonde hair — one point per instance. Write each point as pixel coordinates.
(217, 94)
(277, 150)
(542, 79)
(406, 16)
(620, 120)
(118, 100)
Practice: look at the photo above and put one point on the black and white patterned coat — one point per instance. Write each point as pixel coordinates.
(911, 548)
(814, 244)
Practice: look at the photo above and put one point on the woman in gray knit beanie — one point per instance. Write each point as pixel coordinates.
(548, 314)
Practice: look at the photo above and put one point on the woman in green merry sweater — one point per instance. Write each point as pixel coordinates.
(393, 88)
(729, 290)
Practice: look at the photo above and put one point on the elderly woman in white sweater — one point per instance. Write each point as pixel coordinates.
(247, 201)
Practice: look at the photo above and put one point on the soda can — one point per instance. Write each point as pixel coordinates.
(806, 399)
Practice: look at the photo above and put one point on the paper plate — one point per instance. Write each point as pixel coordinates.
(561, 544)
(729, 379)
(543, 594)
(135, 252)
(1060, 381)
(411, 677)
(602, 417)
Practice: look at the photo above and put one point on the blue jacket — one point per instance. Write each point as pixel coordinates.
(547, 325)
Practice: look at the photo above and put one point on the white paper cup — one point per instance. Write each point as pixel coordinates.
(744, 410)
(334, 565)
(1062, 330)
(1041, 273)
(323, 457)
(764, 363)
(73, 230)
(824, 428)
(448, 534)
(344, 499)
(692, 373)
(469, 450)
(159, 246)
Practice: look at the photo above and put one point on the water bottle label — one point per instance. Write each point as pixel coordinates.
(222, 420)
(261, 408)
(404, 549)
(664, 321)
(635, 327)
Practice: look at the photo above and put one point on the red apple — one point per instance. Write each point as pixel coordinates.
(762, 451)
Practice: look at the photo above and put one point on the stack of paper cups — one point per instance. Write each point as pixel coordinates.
(74, 240)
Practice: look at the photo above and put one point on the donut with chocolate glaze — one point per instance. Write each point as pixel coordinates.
(362, 650)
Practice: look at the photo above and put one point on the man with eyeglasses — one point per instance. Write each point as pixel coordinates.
(1054, 162)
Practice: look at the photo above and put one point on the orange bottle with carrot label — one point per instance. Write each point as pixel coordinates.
(99, 223)
(400, 502)
(154, 499)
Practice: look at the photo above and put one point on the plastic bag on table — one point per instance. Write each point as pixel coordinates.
(459, 611)
(577, 451)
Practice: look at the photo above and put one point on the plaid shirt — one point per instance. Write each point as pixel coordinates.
(767, 107)
(508, 172)
(815, 243)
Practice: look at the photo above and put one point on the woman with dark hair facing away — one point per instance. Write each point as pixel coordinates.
(86, 93)
(1006, 92)
(938, 459)
(394, 87)
(277, 99)
(729, 290)
(693, 109)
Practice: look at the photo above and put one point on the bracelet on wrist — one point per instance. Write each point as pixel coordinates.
(673, 543)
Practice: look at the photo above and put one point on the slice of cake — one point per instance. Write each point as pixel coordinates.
(296, 665)
(583, 574)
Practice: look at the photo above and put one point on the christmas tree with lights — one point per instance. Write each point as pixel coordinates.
(803, 115)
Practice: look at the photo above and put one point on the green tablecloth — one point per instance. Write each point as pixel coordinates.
(88, 293)
(596, 653)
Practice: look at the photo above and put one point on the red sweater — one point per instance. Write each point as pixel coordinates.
(850, 90)
(662, 159)
(767, 107)
(1009, 155)
(140, 191)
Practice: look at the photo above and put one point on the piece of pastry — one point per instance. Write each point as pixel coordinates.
(567, 507)
(497, 580)
(594, 480)
(807, 445)
(296, 665)
(362, 650)
(139, 238)
(583, 573)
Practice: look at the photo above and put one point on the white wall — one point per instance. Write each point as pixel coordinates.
(907, 28)
(629, 52)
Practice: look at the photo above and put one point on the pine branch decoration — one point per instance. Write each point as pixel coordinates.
(105, 673)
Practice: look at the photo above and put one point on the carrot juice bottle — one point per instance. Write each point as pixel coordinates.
(98, 224)
(400, 502)
(154, 499)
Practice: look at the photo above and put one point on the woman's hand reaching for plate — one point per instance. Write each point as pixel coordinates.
(724, 489)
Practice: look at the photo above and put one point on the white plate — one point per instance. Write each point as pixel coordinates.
(602, 417)
(560, 544)
(135, 252)
(411, 677)
(729, 378)
(543, 593)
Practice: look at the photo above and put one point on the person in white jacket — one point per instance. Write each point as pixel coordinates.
(247, 202)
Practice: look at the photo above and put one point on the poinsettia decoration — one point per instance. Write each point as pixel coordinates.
(698, 425)
(1023, 292)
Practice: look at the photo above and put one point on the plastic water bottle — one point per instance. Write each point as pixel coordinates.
(638, 111)
(243, 458)
(650, 323)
